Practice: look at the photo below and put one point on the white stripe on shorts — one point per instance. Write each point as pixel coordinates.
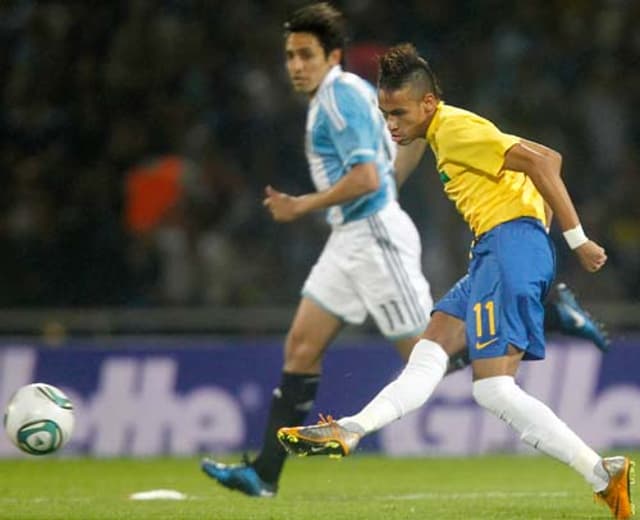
(396, 267)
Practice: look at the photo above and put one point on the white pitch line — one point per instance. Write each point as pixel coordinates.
(39, 500)
(476, 494)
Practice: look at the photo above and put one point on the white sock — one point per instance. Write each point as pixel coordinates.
(410, 390)
(538, 426)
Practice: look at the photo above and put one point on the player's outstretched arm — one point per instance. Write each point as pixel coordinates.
(542, 165)
(362, 179)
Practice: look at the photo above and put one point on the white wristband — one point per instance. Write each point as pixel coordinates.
(575, 237)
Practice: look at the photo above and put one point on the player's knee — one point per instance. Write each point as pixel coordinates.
(494, 393)
(446, 331)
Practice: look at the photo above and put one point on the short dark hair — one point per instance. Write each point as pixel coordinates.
(322, 20)
(402, 65)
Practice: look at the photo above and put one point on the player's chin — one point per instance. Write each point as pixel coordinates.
(302, 88)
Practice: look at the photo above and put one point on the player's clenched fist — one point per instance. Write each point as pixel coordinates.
(283, 207)
(591, 256)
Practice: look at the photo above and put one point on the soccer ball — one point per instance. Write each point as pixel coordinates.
(39, 419)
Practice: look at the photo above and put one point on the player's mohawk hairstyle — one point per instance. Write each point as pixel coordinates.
(322, 20)
(401, 65)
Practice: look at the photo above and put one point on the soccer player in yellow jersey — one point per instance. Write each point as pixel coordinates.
(506, 188)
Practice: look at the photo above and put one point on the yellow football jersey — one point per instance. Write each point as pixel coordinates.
(470, 154)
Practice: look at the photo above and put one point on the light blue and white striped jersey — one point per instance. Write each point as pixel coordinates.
(345, 128)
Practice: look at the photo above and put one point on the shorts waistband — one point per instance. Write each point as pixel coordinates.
(530, 220)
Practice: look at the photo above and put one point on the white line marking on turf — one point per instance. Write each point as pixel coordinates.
(158, 494)
(477, 494)
(38, 500)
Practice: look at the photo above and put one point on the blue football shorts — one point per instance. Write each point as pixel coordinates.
(501, 297)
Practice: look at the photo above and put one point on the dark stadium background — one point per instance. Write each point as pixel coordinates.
(96, 96)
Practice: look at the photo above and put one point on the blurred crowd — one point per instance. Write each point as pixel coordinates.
(137, 137)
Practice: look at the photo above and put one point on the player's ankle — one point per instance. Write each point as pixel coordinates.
(352, 426)
(600, 479)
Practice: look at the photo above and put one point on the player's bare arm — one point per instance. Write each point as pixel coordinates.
(407, 159)
(548, 215)
(542, 165)
(553, 155)
(362, 179)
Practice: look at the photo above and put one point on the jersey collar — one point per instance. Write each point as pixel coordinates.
(331, 76)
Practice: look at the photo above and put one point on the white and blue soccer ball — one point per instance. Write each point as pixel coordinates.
(39, 419)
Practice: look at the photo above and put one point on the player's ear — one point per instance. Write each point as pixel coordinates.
(335, 56)
(429, 103)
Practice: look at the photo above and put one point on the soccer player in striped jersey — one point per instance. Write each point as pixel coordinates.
(505, 187)
(371, 263)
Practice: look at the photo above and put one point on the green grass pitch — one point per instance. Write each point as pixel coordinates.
(359, 487)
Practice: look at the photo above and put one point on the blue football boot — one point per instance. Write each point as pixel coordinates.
(241, 477)
(573, 320)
